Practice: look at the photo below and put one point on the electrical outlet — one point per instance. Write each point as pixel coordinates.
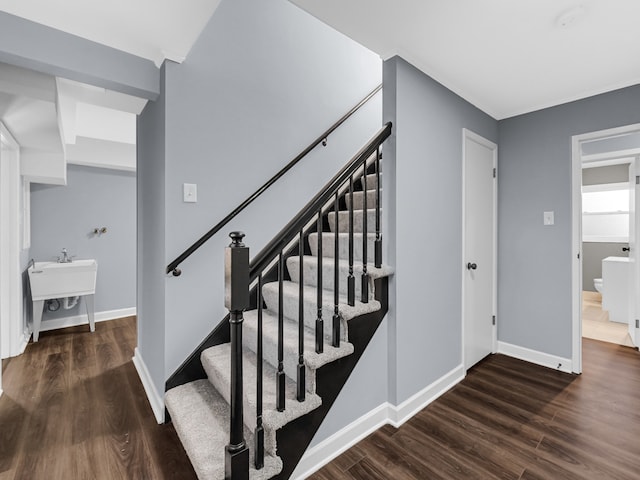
(548, 218)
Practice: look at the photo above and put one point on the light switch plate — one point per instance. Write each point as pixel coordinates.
(190, 192)
(548, 218)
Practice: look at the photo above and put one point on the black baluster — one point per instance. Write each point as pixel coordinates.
(280, 374)
(351, 280)
(301, 376)
(319, 320)
(236, 464)
(259, 433)
(335, 330)
(378, 243)
(364, 298)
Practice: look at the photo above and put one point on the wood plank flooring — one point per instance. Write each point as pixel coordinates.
(74, 408)
(512, 420)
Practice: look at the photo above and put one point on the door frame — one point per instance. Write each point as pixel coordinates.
(12, 329)
(576, 228)
(469, 134)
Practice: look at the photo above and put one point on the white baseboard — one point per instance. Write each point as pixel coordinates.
(24, 341)
(318, 456)
(155, 400)
(83, 319)
(534, 356)
(321, 454)
(407, 409)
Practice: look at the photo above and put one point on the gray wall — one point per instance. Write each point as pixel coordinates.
(43, 49)
(592, 255)
(608, 174)
(64, 216)
(151, 237)
(623, 142)
(534, 175)
(258, 86)
(423, 168)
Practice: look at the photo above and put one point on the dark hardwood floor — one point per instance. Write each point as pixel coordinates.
(512, 420)
(74, 408)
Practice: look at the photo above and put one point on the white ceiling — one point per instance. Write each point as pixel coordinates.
(506, 57)
(152, 29)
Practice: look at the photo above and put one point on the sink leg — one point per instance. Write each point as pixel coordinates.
(38, 308)
(88, 300)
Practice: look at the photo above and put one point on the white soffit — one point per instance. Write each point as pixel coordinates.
(152, 29)
(507, 58)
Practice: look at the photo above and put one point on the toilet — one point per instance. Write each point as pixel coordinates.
(597, 282)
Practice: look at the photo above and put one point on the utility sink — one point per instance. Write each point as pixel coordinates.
(59, 280)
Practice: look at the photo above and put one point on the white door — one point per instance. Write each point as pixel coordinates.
(479, 247)
(634, 263)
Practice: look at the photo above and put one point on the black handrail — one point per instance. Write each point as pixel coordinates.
(173, 266)
(280, 241)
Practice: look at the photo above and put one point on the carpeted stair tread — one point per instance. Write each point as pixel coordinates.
(358, 199)
(200, 416)
(328, 248)
(372, 181)
(310, 273)
(358, 226)
(290, 295)
(312, 360)
(217, 363)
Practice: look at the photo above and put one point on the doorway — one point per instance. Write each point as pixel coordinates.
(613, 150)
(11, 317)
(479, 217)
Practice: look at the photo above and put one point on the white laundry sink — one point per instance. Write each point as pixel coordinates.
(57, 280)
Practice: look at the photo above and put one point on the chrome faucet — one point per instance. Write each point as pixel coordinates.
(66, 258)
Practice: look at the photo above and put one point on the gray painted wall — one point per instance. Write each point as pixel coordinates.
(608, 174)
(257, 87)
(423, 188)
(64, 216)
(151, 237)
(623, 142)
(43, 49)
(534, 175)
(592, 255)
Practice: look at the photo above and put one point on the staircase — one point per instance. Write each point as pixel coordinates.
(260, 385)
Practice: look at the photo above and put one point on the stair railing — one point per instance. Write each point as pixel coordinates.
(273, 257)
(322, 139)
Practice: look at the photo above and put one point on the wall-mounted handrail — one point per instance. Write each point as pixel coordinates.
(173, 266)
(279, 242)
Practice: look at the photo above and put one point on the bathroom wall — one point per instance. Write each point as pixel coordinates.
(65, 216)
(594, 252)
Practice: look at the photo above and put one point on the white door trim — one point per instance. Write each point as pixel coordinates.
(11, 315)
(576, 233)
(468, 134)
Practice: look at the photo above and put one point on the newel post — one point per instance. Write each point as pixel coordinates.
(236, 273)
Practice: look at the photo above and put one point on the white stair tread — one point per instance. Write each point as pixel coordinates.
(201, 418)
